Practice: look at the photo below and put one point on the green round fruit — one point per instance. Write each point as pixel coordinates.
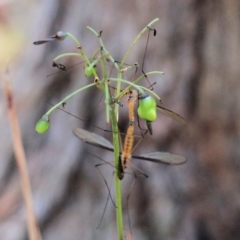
(89, 70)
(147, 108)
(42, 125)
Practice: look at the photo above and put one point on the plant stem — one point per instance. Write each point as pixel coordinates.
(136, 40)
(68, 97)
(74, 39)
(135, 82)
(67, 55)
(119, 217)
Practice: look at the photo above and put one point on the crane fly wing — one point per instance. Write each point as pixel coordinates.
(99, 141)
(93, 139)
(162, 157)
(171, 114)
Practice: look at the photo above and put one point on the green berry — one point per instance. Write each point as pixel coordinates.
(89, 71)
(42, 125)
(147, 108)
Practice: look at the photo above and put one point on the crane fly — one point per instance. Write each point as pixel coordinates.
(158, 157)
(129, 138)
(101, 142)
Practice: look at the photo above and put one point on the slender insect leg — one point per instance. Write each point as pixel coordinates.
(142, 174)
(144, 56)
(139, 125)
(109, 191)
(105, 207)
(99, 165)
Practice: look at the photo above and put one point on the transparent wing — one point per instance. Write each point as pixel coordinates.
(171, 114)
(99, 141)
(162, 157)
(93, 139)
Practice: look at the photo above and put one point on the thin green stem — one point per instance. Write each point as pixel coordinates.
(94, 62)
(126, 55)
(95, 52)
(136, 40)
(148, 73)
(135, 82)
(67, 55)
(120, 75)
(74, 39)
(103, 47)
(119, 215)
(68, 97)
(107, 101)
(82, 54)
(131, 84)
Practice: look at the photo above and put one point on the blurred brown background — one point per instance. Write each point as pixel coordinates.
(197, 46)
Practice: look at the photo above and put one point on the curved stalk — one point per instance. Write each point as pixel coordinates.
(67, 98)
(136, 40)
